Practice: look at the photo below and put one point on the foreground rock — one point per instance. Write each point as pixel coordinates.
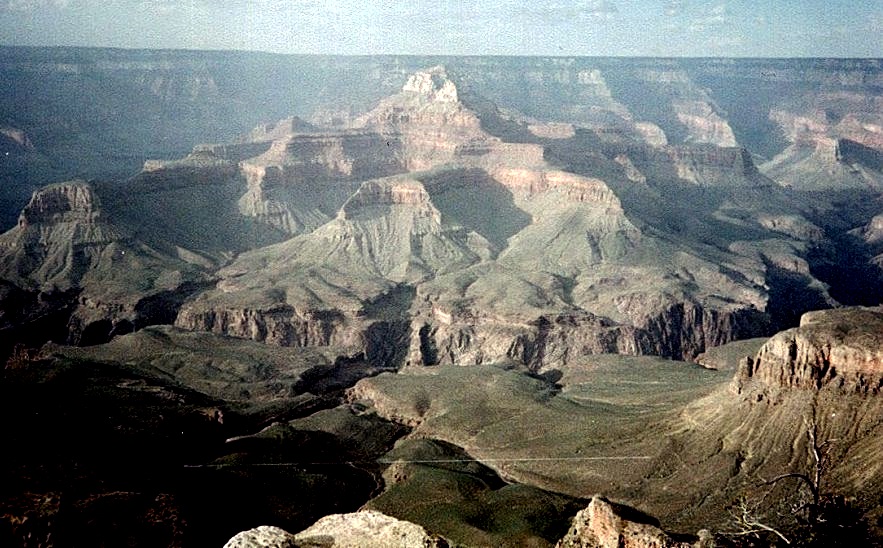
(264, 536)
(602, 524)
(365, 529)
(368, 529)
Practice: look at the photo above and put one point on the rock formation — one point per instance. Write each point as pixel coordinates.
(828, 155)
(601, 525)
(561, 239)
(840, 349)
(604, 525)
(364, 529)
(264, 536)
(368, 529)
(64, 244)
(279, 130)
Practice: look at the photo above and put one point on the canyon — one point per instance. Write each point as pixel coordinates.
(498, 286)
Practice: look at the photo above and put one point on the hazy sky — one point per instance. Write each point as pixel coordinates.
(786, 28)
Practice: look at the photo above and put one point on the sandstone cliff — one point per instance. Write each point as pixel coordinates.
(838, 349)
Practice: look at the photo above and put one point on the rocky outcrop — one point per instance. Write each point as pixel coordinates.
(872, 234)
(201, 168)
(367, 529)
(686, 111)
(702, 165)
(712, 165)
(389, 193)
(279, 130)
(64, 244)
(428, 121)
(864, 128)
(446, 339)
(529, 182)
(432, 83)
(281, 325)
(840, 349)
(58, 236)
(363, 529)
(297, 184)
(632, 173)
(827, 154)
(329, 156)
(265, 536)
(66, 202)
(552, 130)
(606, 525)
(379, 341)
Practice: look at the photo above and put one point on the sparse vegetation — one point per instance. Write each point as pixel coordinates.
(808, 514)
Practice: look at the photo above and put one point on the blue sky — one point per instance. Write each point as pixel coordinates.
(737, 28)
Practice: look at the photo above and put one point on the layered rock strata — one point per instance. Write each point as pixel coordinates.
(840, 349)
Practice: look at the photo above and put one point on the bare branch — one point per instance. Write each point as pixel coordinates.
(803, 477)
(749, 524)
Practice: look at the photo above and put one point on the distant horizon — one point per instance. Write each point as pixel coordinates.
(786, 29)
(366, 55)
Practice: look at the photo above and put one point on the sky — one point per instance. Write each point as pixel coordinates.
(670, 28)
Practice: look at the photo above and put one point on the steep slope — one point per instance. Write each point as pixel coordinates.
(833, 168)
(649, 250)
(841, 349)
(64, 245)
